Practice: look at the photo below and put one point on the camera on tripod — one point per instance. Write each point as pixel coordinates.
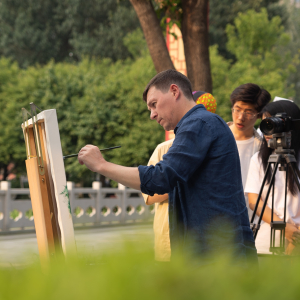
(280, 127)
(281, 122)
(283, 158)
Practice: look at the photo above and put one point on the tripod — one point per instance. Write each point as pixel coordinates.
(284, 157)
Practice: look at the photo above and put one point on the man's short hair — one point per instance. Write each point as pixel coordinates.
(251, 93)
(164, 79)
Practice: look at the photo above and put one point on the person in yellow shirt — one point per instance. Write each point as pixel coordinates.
(161, 219)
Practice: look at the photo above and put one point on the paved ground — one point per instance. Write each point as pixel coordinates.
(21, 249)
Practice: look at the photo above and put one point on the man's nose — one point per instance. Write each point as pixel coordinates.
(241, 116)
(153, 114)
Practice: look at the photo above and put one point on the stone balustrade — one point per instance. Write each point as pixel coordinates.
(93, 207)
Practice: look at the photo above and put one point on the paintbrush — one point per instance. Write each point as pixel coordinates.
(74, 155)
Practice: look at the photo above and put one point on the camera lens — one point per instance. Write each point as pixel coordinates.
(272, 125)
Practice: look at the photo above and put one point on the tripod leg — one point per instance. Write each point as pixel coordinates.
(268, 192)
(255, 229)
(260, 192)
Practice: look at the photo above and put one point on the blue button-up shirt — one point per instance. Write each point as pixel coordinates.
(201, 172)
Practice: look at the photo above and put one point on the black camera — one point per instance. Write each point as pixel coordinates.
(281, 122)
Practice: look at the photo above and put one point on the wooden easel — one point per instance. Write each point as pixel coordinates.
(41, 185)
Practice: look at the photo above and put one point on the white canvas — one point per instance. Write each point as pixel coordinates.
(57, 169)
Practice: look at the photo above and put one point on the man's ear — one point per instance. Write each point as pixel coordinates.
(174, 90)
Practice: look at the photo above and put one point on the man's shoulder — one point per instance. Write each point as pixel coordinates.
(202, 122)
(207, 116)
(209, 120)
(201, 116)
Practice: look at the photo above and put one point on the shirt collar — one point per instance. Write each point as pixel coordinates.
(198, 106)
(255, 133)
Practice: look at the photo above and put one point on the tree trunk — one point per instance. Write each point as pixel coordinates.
(153, 35)
(196, 43)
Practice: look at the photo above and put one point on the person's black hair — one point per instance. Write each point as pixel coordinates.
(164, 79)
(198, 94)
(251, 93)
(292, 110)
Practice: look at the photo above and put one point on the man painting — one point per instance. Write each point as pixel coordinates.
(161, 219)
(201, 172)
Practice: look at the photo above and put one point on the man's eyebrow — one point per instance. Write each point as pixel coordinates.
(150, 102)
(244, 109)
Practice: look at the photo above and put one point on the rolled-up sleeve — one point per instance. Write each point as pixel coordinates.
(181, 161)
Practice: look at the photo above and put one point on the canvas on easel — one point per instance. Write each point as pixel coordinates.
(47, 184)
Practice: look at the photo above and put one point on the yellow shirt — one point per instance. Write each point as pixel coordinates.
(161, 219)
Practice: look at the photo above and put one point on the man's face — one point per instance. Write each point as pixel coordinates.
(162, 107)
(244, 116)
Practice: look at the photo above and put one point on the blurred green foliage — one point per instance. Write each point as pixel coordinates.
(293, 29)
(222, 13)
(35, 31)
(97, 101)
(29, 214)
(132, 274)
(261, 48)
(14, 214)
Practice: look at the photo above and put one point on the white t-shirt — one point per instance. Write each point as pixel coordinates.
(253, 184)
(246, 150)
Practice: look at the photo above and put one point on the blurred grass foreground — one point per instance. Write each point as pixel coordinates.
(133, 274)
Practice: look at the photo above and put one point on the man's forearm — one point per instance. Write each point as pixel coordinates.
(125, 175)
(91, 156)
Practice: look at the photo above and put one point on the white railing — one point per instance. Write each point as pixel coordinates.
(95, 206)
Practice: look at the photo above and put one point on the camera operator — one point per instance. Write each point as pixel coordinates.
(256, 173)
(247, 101)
